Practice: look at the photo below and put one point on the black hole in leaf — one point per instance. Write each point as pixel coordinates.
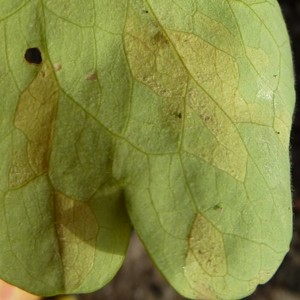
(33, 56)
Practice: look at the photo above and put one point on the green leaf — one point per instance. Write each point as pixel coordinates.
(175, 112)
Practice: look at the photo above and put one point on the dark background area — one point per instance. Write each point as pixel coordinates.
(139, 280)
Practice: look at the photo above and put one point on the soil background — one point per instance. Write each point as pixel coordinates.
(139, 280)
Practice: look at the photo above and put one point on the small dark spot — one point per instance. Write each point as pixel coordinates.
(33, 56)
(145, 11)
(277, 132)
(156, 289)
(275, 75)
(160, 39)
(179, 115)
(217, 207)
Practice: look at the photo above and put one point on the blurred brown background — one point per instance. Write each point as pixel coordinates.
(139, 280)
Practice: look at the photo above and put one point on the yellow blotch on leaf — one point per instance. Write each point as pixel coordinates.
(214, 71)
(152, 59)
(77, 231)
(206, 257)
(229, 152)
(35, 116)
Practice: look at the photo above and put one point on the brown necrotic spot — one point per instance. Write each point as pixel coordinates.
(92, 76)
(33, 56)
(57, 67)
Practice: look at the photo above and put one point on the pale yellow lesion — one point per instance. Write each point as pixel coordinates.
(166, 60)
(206, 257)
(214, 31)
(77, 231)
(35, 118)
(152, 58)
(258, 58)
(215, 71)
(228, 152)
(206, 245)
